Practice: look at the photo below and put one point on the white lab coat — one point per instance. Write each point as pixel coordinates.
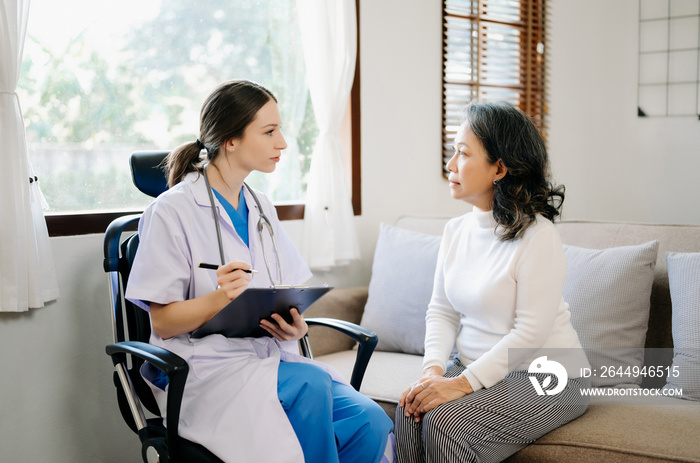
(230, 404)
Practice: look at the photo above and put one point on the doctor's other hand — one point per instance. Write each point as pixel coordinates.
(283, 331)
(232, 279)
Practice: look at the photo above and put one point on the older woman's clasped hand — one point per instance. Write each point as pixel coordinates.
(432, 390)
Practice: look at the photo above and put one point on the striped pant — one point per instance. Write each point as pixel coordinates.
(488, 425)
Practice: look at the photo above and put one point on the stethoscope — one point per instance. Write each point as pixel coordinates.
(263, 222)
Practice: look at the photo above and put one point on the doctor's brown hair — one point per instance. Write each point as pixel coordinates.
(225, 114)
(508, 134)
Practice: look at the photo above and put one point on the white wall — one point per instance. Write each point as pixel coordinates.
(57, 402)
(615, 165)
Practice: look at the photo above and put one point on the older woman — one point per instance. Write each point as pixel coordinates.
(498, 296)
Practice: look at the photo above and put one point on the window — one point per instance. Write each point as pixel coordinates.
(127, 76)
(492, 50)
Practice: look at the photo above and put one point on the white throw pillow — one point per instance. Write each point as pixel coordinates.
(684, 283)
(400, 288)
(608, 291)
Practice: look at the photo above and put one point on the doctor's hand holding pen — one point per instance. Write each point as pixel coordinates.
(176, 318)
(233, 278)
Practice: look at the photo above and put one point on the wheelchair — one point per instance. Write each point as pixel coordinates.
(160, 441)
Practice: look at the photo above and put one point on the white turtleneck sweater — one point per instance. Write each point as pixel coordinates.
(500, 299)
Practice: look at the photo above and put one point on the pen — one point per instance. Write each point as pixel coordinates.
(214, 267)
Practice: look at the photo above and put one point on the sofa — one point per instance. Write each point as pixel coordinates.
(627, 306)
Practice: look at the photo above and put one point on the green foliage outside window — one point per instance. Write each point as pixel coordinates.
(101, 92)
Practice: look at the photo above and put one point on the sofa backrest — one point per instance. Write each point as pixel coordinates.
(672, 238)
(601, 235)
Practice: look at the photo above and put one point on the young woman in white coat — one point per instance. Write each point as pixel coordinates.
(246, 399)
(497, 298)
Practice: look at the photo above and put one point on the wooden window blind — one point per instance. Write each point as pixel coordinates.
(493, 50)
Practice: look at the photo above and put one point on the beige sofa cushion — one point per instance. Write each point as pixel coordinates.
(622, 433)
(342, 303)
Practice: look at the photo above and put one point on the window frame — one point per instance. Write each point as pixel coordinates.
(69, 224)
(532, 70)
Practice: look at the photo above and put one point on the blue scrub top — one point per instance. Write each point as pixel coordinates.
(239, 217)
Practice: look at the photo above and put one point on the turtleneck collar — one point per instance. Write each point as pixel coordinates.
(484, 218)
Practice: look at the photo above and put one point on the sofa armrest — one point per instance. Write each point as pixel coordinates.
(340, 303)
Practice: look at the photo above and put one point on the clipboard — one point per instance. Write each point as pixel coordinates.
(241, 317)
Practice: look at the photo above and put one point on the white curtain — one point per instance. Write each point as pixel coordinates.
(329, 38)
(27, 273)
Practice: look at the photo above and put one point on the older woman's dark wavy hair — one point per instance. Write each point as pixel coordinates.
(526, 190)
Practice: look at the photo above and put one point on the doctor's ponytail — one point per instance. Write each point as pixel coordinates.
(225, 114)
(182, 160)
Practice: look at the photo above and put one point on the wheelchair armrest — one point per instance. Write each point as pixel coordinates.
(169, 363)
(174, 366)
(367, 341)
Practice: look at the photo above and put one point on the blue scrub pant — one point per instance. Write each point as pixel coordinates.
(333, 422)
